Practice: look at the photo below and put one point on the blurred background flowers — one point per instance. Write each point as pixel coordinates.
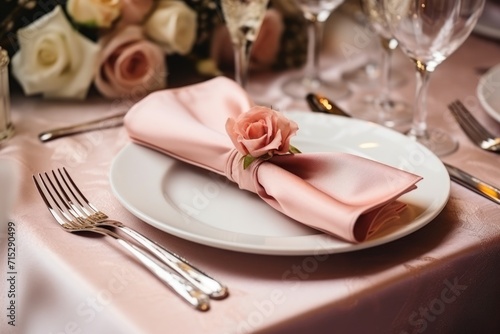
(63, 49)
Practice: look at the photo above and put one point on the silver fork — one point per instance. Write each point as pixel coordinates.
(474, 130)
(84, 209)
(64, 214)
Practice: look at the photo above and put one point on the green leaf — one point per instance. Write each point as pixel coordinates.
(247, 160)
(294, 150)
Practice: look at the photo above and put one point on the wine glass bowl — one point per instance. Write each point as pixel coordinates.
(316, 12)
(429, 31)
(243, 20)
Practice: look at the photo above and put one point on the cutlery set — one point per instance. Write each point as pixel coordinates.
(75, 213)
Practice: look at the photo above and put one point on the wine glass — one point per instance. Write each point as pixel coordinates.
(428, 32)
(367, 73)
(378, 105)
(315, 12)
(243, 19)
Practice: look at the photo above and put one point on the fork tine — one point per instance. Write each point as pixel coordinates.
(91, 212)
(477, 126)
(42, 194)
(75, 187)
(464, 123)
(72, 200)
(65, 205)
(53, 206)
(469, 124)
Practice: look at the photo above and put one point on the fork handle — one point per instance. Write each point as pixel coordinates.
(179, 285)
(199, 279)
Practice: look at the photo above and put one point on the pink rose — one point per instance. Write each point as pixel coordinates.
(129, 65)
(267, 45)
(135, 11)
(261, 132)
(264, 51)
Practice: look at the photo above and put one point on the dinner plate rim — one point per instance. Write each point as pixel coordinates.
(329, 243)
(482, 97)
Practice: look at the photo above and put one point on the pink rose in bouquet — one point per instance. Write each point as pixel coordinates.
(129, 65)
(135, 11)
(267, 45)
(264, 50)
(261, 132)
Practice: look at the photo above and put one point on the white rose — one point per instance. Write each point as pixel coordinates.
(173, 25)
(54, 59)
(98, 13)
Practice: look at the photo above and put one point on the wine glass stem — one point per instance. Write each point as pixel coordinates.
(315, 33)
(419, 126)
(241, 56)
(385, 69)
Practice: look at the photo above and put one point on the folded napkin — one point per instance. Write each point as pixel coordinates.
(338, 193)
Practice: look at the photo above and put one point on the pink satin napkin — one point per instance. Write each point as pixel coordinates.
(338, 193)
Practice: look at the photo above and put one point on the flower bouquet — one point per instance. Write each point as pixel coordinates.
(129, 48)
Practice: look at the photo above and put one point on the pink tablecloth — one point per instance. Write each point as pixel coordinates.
(440, 279)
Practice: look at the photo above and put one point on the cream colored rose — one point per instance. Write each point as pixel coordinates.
(173, 25)
(54, 59)
(99, 13)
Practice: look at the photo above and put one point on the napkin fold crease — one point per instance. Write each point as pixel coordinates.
(338, 193)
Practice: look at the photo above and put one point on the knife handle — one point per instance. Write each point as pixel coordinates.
(322, 104)
(97, 124)
(193, 275)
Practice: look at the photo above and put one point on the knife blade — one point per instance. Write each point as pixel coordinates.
(322, 104)
(473, 183)
(97, 124)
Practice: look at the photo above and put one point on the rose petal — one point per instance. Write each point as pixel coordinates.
(173, 24)
(94, 13)
(130, 65)
(71, 72)
(261, 131)
(135, 11)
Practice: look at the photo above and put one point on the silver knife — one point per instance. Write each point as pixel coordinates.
(97, 124)
(473, 183)
(322, 104)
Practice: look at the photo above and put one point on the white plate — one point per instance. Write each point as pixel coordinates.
(197, 205)
(488, 24)
(488, 92)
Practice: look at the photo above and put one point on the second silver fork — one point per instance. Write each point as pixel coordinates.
(87, 211)
(71, 222)
(473, 129)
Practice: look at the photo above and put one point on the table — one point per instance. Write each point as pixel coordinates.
(440, 279)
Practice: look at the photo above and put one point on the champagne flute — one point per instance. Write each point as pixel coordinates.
(243, 19)
(428, 32)
(316, 12)
(379, 106)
